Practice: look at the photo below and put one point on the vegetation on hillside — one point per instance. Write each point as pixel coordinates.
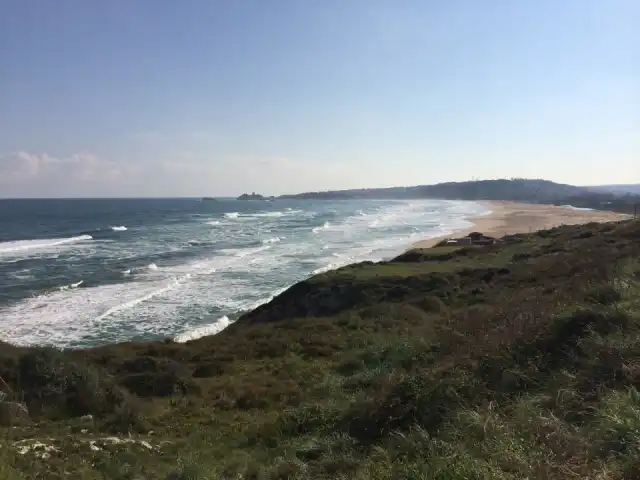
(510, 361)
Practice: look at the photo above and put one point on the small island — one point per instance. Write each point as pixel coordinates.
(208, 199)
(253, 196)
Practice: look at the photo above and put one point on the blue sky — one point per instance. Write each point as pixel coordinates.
(164, 98)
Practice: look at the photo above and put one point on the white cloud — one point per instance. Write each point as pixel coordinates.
(80, 174)
(24, 166)
(24, 174)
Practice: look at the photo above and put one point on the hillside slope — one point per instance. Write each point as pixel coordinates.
(519, 360)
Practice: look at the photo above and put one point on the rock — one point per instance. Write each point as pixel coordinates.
(13, 414)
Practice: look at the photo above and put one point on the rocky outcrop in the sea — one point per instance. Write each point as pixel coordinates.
(253, 196)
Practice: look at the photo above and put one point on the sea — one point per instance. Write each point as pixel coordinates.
(79, 273)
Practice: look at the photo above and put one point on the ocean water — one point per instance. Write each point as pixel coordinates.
(76, 273)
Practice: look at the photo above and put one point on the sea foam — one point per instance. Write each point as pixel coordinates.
(203, 331)
(23, 245)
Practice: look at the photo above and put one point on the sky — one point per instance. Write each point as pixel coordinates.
(218, 97)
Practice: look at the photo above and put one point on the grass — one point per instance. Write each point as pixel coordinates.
(514, 361)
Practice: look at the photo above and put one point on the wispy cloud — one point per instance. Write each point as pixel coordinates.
(22, 165)
(185, 174)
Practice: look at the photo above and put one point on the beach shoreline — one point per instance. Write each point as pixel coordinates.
(508, 218)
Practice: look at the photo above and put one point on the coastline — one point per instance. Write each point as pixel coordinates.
(507, 218)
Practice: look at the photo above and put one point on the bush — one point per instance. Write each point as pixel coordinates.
(52, 385)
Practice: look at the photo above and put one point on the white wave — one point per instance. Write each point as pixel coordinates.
(154, 305)
(326, 268)
(323, 227)
(232, 215)
(271, 240)
(152, 266)
(265, 214)
(126, 272)
(213, 222)
(243, 252)
(132, 303)
(577, 208)
(121, 228)
(24, 245)
(71, 285)
(203, 331)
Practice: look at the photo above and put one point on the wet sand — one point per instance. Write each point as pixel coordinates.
(507, 218)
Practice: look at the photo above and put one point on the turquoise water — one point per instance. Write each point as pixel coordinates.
(79, 273)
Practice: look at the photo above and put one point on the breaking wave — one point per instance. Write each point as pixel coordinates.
(203, 331)
(271, 240)
(71, 285)
(323, 227)
(23, 245)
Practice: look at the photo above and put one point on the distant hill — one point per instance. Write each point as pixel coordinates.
(514, 189)
(618, 189)
(518, 190)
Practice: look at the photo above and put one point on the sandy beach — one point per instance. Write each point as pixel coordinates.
(510, 217)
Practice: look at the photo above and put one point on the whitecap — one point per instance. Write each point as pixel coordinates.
(323, 227)
(271, 240)
(121, 228)
(213, 222)
(152, 266)
(71, 285)
(24, 245)
(232, 215)
(203, 331)
(132, 303)
(324, 269)
(265, 214)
